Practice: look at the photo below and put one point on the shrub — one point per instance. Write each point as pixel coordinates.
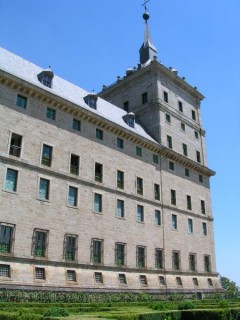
(186, 305)
(159, 306)
(223, 304)
(56, 312)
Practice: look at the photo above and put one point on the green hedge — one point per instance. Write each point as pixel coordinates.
(19, 316)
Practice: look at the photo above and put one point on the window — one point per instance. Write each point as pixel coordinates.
(187, 172)
(91, 100)
(120, 179)
(192, 262)
(98, 172)
(176, 260)
(210, 283)
(179, 281)
(21, 101)
(189, 202)
(193, 115)
(159, 258)
(196, 134)
(43, 192)
(51, 113)
(46, 77)
(97, 251)
(185, 151)
(120, 208)
(99, 134)
(72, 196)
(6, 238)
(143, 280)
(130, 120)
(198, 156)
(76, 124)
(126, 106)
(144, 97)
(98, 277)
(183, 127)
(39, 245)
(120, 143)
(161, 280)
(16, 145)
(139, 186)
(174, 222)
(200, 178)
(11, 180)
(165, 96)
(203, 210)
(169, 142)
(139, 151)
(140, 213)
(168, 118)
(204, 228)
(97, 202)
(155, 158)
(195, 282)
(122, 278)
(171, 165)
(180, 106)
(40, 273)
(141, 257)
(46, 155)
(5, 270)
(74, 164)
(207, 264)
(173, 197)
(71, 275)
(120, 254)
(158, 220)
(190, 226)
(70, 247)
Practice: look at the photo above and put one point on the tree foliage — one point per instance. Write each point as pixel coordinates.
(232, 291)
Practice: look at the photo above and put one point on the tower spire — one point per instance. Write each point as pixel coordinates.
(147, 50)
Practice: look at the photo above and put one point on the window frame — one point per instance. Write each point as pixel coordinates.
(120, 254)
(174, 221)
(97, 251)
(120, 143)
(138, 151)
(120, 209)
(76, 124)
(72, 198)
(46, 155)
(7, 237)
(141, 256)
(159, 258)
(158, 217)
(46, 191)
(140, 213)
(139, 186)
(70, 248)
(11, 182)
(15, 148)
(99, 134)
(74, 164)
(192, 258)
(40, 250)
(51, 114)
(176, 260)
(21, 101)
(98, 172)
(165, 96)
(120, 179)
(190, 226)
(98, 197)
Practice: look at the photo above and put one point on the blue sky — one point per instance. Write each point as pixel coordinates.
(91, 42)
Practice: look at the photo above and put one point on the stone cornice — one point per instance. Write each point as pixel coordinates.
(93, 118)
(153, 67)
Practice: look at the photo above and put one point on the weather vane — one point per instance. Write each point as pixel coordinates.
(144, 4)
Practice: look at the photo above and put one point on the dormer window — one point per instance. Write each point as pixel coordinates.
(91, 100)
(45, 77)
(130, 119)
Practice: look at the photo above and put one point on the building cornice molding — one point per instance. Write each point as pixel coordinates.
(62, 104)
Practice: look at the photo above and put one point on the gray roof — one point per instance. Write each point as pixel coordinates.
(28, 71)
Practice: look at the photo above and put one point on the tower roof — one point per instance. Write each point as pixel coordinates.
(147, 50)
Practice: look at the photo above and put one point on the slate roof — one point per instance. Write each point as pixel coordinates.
(28, 71)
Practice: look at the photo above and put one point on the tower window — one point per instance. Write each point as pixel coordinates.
(51, 113)
(168, 118)
(99, 134)
(139, 151)
(126, 106)
(193, 115)
(169, 142)
(165, 96)
(180, 106)
(76, 124)
(144, 98)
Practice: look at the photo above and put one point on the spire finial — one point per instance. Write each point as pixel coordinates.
(146, 14)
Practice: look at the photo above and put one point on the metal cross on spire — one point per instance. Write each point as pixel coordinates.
(144, 4)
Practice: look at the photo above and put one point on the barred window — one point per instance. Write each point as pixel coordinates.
(6, 238)
(97, 251)
(39, 243)
(70, 247)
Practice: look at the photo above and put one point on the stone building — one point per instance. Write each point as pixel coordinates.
(106, 192)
